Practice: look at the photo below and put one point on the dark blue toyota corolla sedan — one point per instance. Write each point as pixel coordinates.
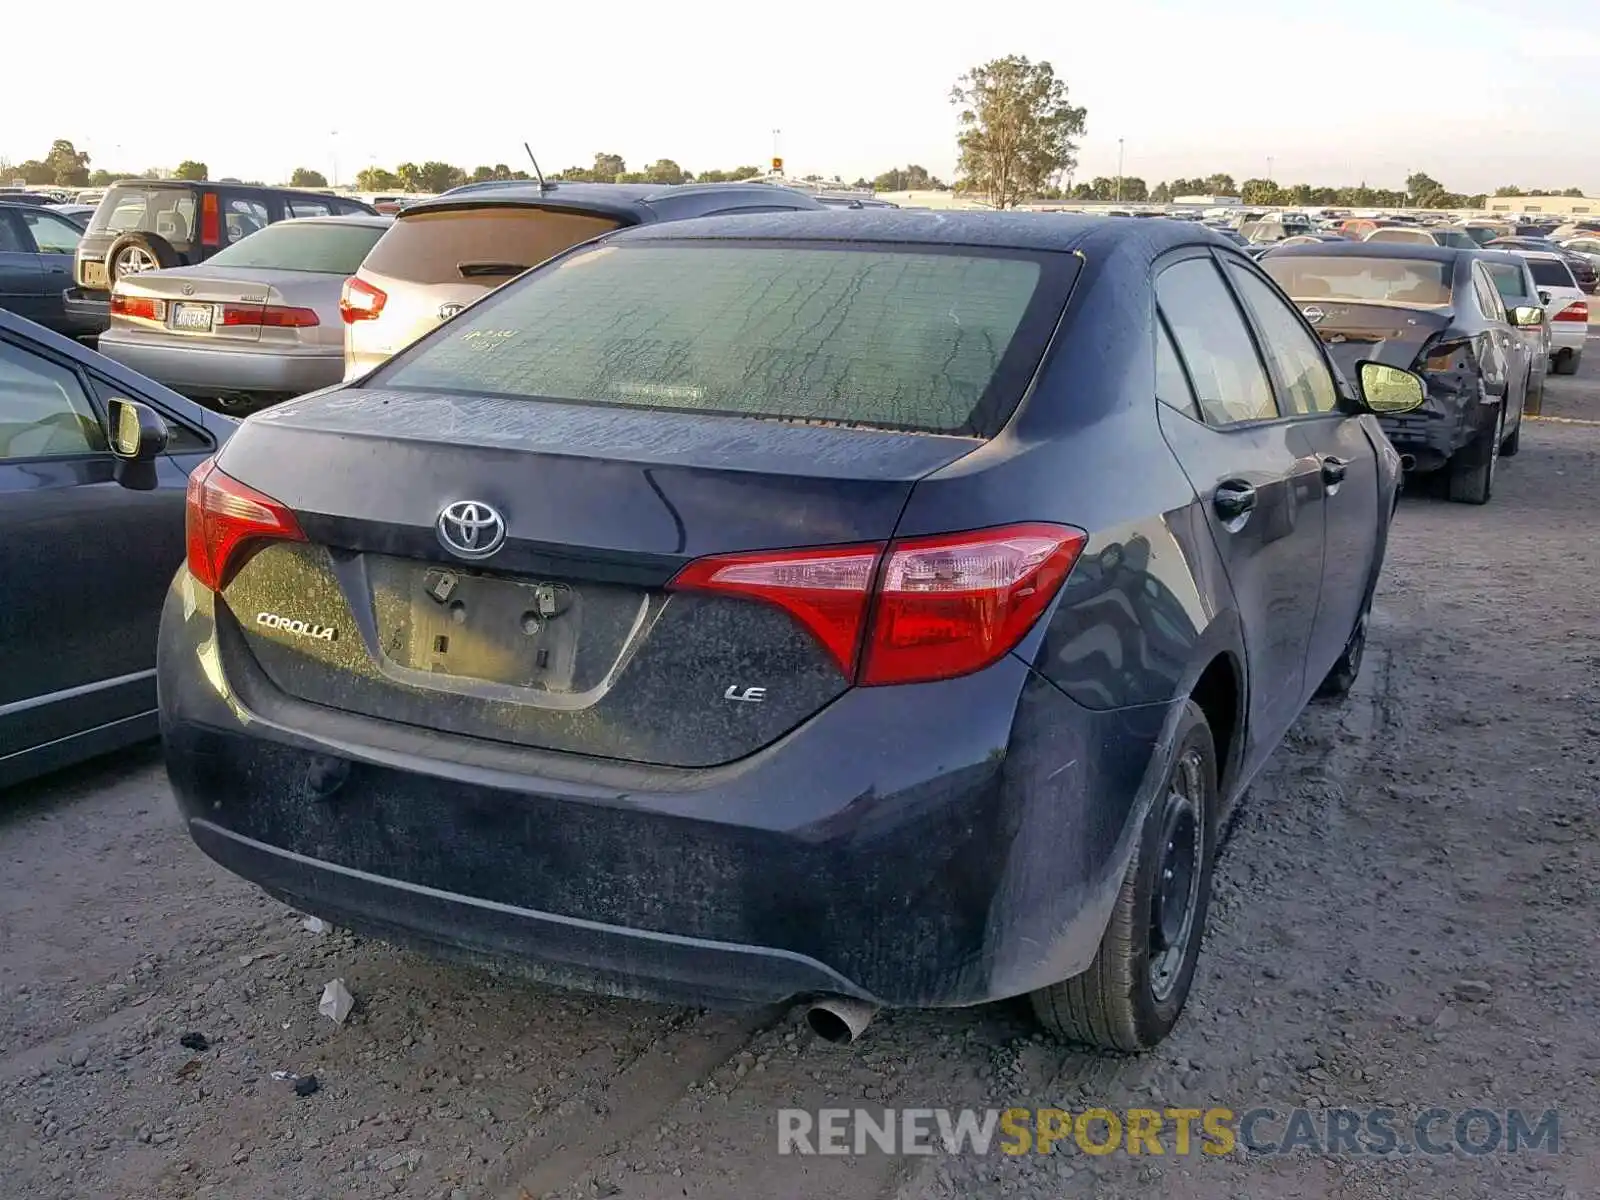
(879, 608)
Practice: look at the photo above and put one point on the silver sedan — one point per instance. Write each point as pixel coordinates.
(256, 323)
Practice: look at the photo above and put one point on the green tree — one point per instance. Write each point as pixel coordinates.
(1259, 191)
(482, 174)
(1134, 190)
(70, 166)
(35, 171)
(307, 178)
(1509, 191)
(1161, 193)
(376, 179)
(607, 167)
(1220, 185)
(193, 170)
(664, 170)
(1017, 128)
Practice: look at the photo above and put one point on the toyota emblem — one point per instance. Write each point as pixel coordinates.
(470, 529)
(1312, 314)
(446, 311)
(188, 289)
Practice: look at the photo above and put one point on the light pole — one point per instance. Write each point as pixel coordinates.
(1119, 170)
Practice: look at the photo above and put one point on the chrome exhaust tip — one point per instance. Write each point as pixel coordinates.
(840, 1020)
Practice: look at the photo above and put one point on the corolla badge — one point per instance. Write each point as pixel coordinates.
(1312, 314)
(470, 529)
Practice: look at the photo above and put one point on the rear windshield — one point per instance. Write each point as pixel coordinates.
(149, 208)
(1551, 272)
(484, 244)
(329, 247)
(1414, 283)
(893, 337)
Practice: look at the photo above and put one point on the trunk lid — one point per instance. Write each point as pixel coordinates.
(227, 304)
(565, 638)
(1384, 333)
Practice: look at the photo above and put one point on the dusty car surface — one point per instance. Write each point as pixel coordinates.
(897, 624)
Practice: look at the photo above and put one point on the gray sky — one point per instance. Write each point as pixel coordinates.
(1476, 95)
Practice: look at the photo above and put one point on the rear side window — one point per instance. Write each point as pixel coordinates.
(894, 337)
(300, 207)
(1216, 346)
(1507, 281)
(484, 244)
(1308, 386)
(1172, 385)
(147, 208)
(332, 248)
(1551, 272)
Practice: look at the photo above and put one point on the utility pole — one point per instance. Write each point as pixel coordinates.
(1119, 170)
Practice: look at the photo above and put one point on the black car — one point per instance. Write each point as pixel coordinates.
(1582, 269)
(885, 608)
(37, 245)
(87, 547)
(151, 224)
(1436, 311)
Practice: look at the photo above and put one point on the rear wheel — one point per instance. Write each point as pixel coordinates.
(1567, 362)
(1341, 677)
(1132, 994)
(1471, 478)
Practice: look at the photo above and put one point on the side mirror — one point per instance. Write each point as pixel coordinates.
(1526, 316)
(1388, 391)
(138, 434)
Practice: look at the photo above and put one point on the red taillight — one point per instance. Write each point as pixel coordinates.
(938, 607)
(1578, 310)
(360, 301)
(148, 307)
(271, 316)
(210, 221)
(221, 515)
(950, 605)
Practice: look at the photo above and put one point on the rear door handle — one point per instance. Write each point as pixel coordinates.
(1333, 470)
(1234, 500)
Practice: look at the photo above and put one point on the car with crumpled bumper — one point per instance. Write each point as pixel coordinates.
(1434, 310)
(896, 624)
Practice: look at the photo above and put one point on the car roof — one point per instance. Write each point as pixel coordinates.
(29, 205)
(1417, 250)
(616, 199)
(1065, 232)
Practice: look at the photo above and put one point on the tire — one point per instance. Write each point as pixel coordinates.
(1471, 469)
(1133, 993)
(1567, 364)
(1512, 442)
(135, 252)
(1341, 677)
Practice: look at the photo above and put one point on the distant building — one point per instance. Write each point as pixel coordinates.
(1207, 201)
(1576, 206)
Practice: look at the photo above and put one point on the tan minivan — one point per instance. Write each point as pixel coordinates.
(442, 254)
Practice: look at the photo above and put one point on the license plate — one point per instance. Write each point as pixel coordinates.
(94, 275)
(191, 316)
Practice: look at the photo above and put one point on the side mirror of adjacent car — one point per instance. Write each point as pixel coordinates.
(1388, 391)
(138, 436)
(1527, 316)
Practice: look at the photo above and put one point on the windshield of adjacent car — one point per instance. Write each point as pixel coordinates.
(1413, 283)
(331, 247)
(149, 208)
(897, 337)
(1551, 272)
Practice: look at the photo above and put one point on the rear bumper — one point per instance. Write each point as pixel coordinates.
(944, 844)
(1444, 425)
(89, 311)
(1568, 336)
(207, 371)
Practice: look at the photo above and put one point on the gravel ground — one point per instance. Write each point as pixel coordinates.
(1405, 917)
